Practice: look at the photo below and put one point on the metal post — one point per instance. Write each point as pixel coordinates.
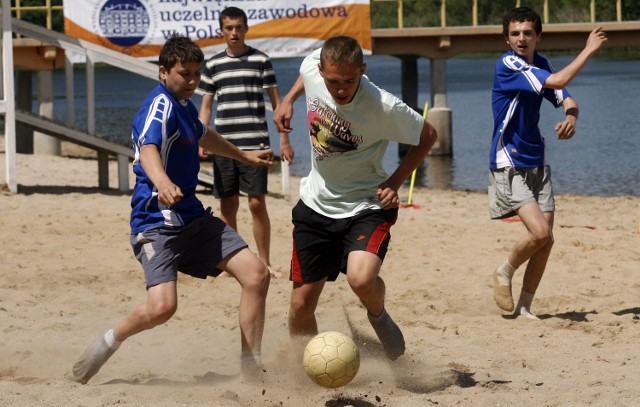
(7, 104)
(24, 101)
(619, 10)
(475, 13)
(69, 87)
(43, 143)
(103, 158)
(545, 11)
(440, 114)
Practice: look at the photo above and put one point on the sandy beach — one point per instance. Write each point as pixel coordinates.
(68, 274)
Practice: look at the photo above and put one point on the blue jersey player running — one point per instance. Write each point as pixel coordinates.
(170, 229)
(520, 177)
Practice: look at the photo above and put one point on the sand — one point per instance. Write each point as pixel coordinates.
(68, 274)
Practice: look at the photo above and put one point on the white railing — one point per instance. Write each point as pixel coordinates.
(75, 50)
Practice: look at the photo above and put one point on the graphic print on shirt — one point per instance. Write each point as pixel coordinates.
(330, 134)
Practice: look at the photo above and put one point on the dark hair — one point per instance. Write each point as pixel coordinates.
(521, 14)
(179, 48)
(233, 13)
(341, 50)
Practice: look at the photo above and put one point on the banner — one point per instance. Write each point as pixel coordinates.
(280, 28)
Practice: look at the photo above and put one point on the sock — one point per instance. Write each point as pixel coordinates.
(524, 305)
(505, 273)
(389, 334)
(251, 359)
(111, 340)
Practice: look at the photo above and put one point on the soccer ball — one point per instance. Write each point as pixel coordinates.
(331, 359)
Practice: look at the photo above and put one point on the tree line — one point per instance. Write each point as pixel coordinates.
(426, 13)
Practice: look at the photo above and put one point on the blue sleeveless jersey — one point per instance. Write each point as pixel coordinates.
(175, 129)
(516, 99)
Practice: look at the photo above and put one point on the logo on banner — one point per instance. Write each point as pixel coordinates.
(124, 22)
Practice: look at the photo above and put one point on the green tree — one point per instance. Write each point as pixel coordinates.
(40, 17)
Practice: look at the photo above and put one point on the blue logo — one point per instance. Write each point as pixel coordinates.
(124, 22)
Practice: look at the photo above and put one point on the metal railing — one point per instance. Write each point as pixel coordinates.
(47, 7)
(517, 3)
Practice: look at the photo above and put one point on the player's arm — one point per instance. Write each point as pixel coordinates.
(567, 128)
(388, 190)
(214, 142)
(562, 78)
(286, 150)
(284, 112)
(206, 107)
(168, 192)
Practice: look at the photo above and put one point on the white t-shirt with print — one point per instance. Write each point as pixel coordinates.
(349, 142)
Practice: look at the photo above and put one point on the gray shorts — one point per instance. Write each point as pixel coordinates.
(195, 249)
(231, 176)
(511, 188)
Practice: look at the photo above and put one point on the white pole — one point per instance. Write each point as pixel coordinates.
(286, 186)
(8, 100)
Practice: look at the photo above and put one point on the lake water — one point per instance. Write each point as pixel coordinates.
(601, 159)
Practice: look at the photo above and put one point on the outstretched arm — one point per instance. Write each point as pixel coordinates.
(562, 78)
(283, 114)
(212, 141)
(388, 190)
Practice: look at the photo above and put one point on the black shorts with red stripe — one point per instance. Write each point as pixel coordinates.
(321, 244)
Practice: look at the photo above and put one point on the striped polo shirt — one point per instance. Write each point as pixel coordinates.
(238, 84)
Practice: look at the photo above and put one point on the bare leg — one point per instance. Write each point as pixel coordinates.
(160, 306)
(535, 248)
(162, 302)
(304, 300)
(363, 277)
(262, 230)
(534, 272)
(253, 277)
(228, 214)
(229, 210)
(363, 269)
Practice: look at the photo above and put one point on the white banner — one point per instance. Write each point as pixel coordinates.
(280, 28)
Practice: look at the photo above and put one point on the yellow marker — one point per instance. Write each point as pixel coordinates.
(413, 174)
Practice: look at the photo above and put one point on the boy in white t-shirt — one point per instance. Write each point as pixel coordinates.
(348, 202)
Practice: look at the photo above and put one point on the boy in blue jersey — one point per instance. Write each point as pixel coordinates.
(238, 78)
(170, 229)
(520, 177)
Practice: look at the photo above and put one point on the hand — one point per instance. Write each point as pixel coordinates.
(203, 153)
(258, 157)
(286, 152)
(566, 129)
(282, 117)
(388, 196)
(596, 39)
(169, 194)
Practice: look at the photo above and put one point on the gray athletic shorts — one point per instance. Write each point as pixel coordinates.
(195, 249)
(511, 188)
(231, 176)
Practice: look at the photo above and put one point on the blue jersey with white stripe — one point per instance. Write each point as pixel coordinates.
(518, 90)
(174, 127)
